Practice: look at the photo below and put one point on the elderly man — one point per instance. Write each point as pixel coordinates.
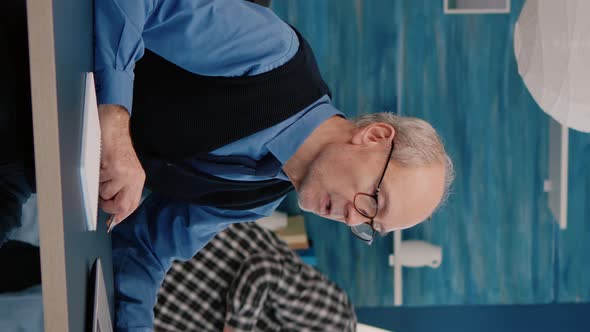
(230, 113)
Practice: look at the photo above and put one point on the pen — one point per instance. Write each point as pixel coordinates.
(111, 223)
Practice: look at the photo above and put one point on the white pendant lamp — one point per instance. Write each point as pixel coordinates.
(552, 48)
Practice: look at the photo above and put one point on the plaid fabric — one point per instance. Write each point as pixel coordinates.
(248, 278)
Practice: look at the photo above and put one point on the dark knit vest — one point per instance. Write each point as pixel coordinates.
(179, 115)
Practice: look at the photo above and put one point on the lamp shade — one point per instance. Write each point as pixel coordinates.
(552, 48)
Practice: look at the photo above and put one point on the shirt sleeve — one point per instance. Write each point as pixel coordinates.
(144, 246)
(118, 28)
(252, 287)
(214, 38)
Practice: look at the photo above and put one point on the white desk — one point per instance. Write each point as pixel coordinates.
(60, 47)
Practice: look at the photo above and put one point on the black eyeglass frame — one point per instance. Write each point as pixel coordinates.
(374, 196)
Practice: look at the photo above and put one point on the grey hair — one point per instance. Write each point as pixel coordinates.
(416, 144)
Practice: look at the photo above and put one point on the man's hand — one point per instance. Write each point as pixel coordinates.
(121, 175)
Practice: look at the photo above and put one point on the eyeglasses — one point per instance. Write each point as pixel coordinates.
(368, 206)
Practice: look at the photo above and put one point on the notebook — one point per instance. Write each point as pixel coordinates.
(90, 156)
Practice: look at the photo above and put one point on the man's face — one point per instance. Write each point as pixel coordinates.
(408, 195)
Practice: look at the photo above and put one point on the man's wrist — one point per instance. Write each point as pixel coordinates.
(114, 123)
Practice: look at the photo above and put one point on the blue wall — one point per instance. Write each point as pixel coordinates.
(500, 242)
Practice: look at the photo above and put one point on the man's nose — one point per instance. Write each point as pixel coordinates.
(353, 217)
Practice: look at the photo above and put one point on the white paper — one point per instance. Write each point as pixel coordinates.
(90, 156)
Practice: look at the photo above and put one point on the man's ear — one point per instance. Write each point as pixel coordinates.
(374, 133)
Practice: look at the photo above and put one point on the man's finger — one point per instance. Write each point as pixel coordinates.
(129, 200)
(110, 206)
(106, 174)
(108, 190)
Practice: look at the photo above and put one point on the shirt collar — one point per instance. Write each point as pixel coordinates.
(285, 144)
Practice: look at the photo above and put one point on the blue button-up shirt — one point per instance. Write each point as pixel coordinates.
(214, 38)
(221, 38)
